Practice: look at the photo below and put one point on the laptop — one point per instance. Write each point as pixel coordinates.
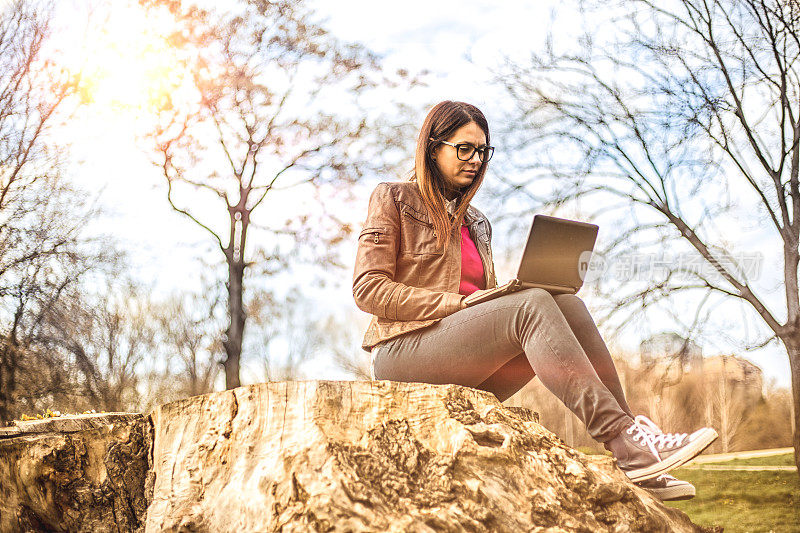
(556, 258)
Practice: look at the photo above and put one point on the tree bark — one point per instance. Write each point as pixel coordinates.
(792, 344)
(8, 366)
(236, 315)
(793, 350)
(86, 473)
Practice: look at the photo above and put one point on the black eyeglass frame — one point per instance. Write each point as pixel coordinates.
(486, 149)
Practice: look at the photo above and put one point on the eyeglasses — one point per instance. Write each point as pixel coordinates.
(465, 151)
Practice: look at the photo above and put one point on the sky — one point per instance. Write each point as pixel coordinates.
(458, 43)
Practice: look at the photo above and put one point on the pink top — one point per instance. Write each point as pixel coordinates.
(472, 277)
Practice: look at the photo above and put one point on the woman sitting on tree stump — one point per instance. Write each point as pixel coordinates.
(424, 248)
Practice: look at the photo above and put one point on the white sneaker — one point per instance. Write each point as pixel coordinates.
(644, 452)
(667, 488)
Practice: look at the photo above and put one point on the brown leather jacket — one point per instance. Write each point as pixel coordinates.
(401, 276)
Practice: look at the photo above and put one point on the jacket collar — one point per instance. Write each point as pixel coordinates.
(450, 205)
(470, 217)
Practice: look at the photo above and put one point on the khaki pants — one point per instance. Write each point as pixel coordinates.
(502, 344)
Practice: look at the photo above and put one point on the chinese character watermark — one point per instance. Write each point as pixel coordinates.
(649, 266)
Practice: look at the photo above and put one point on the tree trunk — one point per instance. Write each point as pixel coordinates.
(722, 403)
(794, 364)
(793, 351)
(236, 316)
(7, 382)
(5, 399)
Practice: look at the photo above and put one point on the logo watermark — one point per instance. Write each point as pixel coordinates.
(648, 266)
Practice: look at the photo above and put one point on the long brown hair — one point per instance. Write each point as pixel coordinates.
(442, 121)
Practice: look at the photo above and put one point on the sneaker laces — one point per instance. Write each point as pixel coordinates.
(656, 437)
(646, 436)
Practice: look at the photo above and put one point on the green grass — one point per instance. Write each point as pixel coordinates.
(743, 501)
(760, 501)
(786, 459)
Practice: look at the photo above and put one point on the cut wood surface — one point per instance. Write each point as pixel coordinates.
(380, 456)
(316, 456)
(66, 424)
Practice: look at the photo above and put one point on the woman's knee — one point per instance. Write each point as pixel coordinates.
(568, 299)
(571, 305)
(536, 298)
(532, 302)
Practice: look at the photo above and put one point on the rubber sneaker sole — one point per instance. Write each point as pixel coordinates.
(680, 492)
(667, 488)
(681, 456)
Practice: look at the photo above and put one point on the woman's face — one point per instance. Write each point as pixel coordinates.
(459, 174)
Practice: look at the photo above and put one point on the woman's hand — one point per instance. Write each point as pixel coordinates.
(476, 293)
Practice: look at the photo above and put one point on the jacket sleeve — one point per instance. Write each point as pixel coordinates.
(374, 288)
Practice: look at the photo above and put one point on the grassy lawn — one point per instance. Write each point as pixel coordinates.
(744, 501)
(786, 459)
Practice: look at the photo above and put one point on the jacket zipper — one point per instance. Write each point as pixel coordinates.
(428, 224)
(487, 260)
(410, 215)
(375, 232)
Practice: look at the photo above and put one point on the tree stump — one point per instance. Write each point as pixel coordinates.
(380, 456)
(316, 456)
(81, 473)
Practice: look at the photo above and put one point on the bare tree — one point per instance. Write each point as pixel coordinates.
(32, 89)
(188, 332)
(725, 402)
(106, 339)
(276, 105)
(285, 332)
(46, 262)
(187, 353)
(691, 115)
(44, 254)
(343, 342)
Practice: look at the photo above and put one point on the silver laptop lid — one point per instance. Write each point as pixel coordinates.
(555, 249)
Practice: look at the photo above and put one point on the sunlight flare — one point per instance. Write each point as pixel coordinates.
(125, 61)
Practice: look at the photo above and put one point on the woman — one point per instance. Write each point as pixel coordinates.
(424, 248)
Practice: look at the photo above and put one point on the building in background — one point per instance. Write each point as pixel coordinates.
(670, 354)
(739, 375)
